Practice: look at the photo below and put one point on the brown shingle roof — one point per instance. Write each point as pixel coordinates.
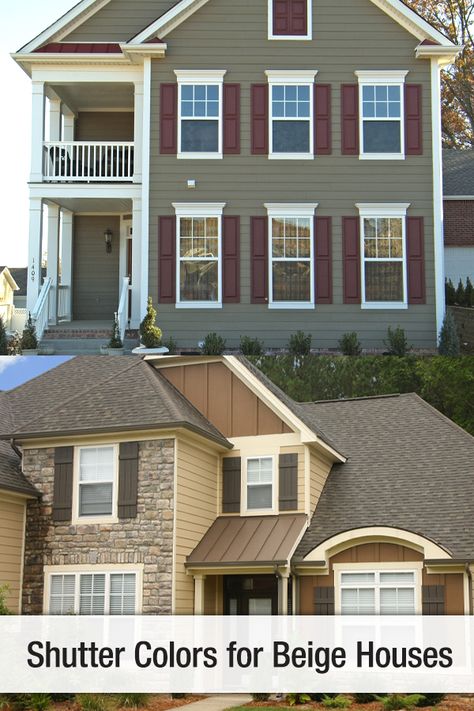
(11, 477)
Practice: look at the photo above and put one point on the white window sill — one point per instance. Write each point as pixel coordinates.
(200, 156)
(389, 305)
(260, 512)
(199, 305)
(291, 306)
(291, 38)
(94, 520)
(382, 156)
(290, 156)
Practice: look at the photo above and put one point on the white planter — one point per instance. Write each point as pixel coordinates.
(115, 351)
(104, 350)
(143, 350)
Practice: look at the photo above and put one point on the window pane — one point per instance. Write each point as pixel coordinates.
(368, 93)
(278, 227)
(187, 93)
(260, 470)
(291, 137)
(61, 598)
(95, 499)
(395, 601)
(92, 595)
(122, 594)
(384, 281)
(291, 281)
(213, 93)
(97, 464)
(199, 281)
(259, 497)
(358, 601)
(199, 136)
(398, 578)
(259, 606)
(382, 137)
(357, 578)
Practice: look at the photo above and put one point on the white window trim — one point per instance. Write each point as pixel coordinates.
(107, 570)
(206, 77)
(77, 519)
(291, 210)
(382, 78)
(275, 494)
(291, 78)
(293, 38)
(377, 568)
(381, 211)
(198, 210)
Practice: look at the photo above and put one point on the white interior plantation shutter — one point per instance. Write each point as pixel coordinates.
(358, 601)
(92, 595)
(61, 596)
(122, 594)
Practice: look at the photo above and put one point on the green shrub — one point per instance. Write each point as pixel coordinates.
(450, 292)
(336, 702)
(300, 344)
(364, 698)
(396, 342)
(460, 294)
(3, 339)
(132, 701)
(3, 605)
(395, 702)
(171, 345)
(178, 696)
(150, 333)
(350, 344)
(4, 702)
(115, 340)
(297, 699)
(29, 702)
(430, 700)
(91, 702)
(213, 345)
(449, 342)
(29, 341)
(260, 697)
(251, 346)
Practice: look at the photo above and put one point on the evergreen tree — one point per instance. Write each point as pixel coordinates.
(449, 343)
(3, 339)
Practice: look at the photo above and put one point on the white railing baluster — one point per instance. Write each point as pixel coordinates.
(88, 161)
(40, 314)
(122, 312)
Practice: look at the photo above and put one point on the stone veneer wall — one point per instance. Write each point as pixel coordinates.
(146, 539)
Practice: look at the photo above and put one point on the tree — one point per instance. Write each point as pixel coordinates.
(455, 19)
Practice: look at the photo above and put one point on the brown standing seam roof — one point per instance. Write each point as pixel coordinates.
(233, 540)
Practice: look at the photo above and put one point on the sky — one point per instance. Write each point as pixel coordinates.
(20, 21)
(17, 370)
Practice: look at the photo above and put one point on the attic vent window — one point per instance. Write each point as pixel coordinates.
(290, 19)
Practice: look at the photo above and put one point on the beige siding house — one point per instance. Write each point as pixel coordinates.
(255, 171)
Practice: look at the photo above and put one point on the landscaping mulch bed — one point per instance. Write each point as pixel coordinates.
(156, 702)
(451, 703)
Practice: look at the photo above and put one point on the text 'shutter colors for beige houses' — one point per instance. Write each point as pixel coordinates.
(213, 492)
(258, 167)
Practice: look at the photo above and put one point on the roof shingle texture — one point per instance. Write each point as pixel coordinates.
(408, 467)
(11, 477)
(458, 173)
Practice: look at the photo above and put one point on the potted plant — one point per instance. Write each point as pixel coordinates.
(29, 341)
(150, 334)
(115, 345)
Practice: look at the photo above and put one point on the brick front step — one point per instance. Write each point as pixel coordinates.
(74, 334)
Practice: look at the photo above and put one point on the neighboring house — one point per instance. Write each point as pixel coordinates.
(459, 215)
(213, 492)
(256, 169)
(8, 287)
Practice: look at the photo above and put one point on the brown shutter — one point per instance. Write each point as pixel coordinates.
(63, 482)
(259, 119)
(416, 260)
(231, 475)
(323, 259)
(128, 480)
(288, 490)
(322, 119)
(259, 257)
(169, 119)
(167, 260)
(351, 259)
(231, 119)
(413, 120)
(231, 260)
(433, 599)
(324, 601)
(281, 17)
(350, 119)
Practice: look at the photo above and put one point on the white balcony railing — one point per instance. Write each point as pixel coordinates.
(40, 314)
(88, 162)
(63, 302)
(122, 312)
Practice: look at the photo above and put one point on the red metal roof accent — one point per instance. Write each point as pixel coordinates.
(430, 42)
(154, 40)
(82, 48)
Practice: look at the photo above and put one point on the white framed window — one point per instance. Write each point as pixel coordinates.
(290, 20)
(111, 590)
(378, 592)
(199, 250)
(291, 256)
(381, 112)
(291, 115)
(96, 484)
(200, 114)
(383, 256)
(260, 485)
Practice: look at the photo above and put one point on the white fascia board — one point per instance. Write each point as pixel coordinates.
(171, 19)
(458, 198)
(138, 52)
(446, 55)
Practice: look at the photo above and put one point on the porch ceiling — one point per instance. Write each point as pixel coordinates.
(85, 96)
(105, 206)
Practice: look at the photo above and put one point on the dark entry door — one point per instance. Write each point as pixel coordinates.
(250, 595)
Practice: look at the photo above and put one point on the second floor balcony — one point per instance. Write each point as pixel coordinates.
(88, 161)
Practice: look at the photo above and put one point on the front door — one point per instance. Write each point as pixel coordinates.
(250, 595)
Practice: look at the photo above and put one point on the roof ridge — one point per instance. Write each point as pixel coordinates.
(355, 399)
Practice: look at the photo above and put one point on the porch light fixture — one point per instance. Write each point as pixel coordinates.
(108, 234)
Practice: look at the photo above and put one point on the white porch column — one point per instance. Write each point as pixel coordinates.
(283, 593)
(37, 131)
(68, 124)
(55, 119)
(34, 253)
(66, 258)
(137, 266)
(138, 132)
(53, 260)
(199, 583)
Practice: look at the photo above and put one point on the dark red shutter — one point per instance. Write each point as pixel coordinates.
(351, 259)
(169, 119)
(290, 17)
(323, 259)
(231, 260)
(416, 260)
(259, 119)
(231, 119)
(350, 119)
(413, 120)
(259, 257)
(322, 119)
(167, 260)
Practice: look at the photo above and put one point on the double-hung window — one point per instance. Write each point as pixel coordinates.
(291, 250)
(378, 592)
(383, 250)
(260, 484)
(200, 132)
(382, 114)
(199, 249)
(94, 593)
(291, 114)
(96, 482)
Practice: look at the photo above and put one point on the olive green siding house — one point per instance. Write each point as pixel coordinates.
(257, 167)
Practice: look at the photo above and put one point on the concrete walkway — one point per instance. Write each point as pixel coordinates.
(219, 702)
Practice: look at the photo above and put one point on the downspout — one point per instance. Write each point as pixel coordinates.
(469, 578)
(17, 451)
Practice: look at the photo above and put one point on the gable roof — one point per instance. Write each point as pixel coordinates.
(408, 467)
(10, 278)
(458, 172)
(11, 477)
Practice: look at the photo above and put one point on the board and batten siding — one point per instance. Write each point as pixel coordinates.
(196, 511)
(12, 528)
(320, 469)
(349, 35)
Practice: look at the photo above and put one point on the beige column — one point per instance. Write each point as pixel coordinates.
(283, 582)
(199, 585)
